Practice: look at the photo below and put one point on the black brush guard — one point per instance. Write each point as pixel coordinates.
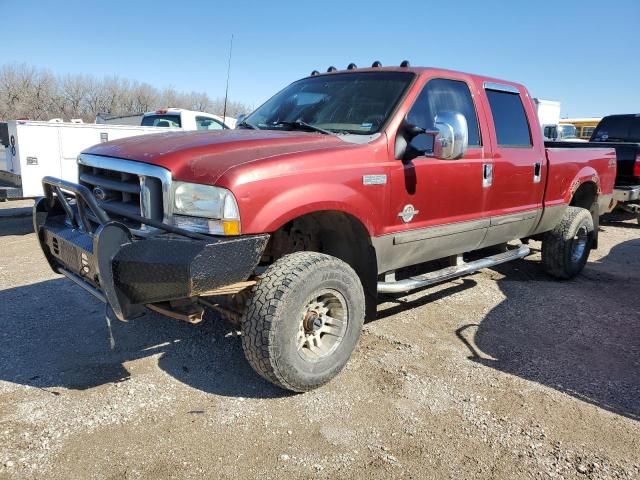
(103, 256)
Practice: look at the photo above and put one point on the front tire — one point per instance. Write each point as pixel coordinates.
(566, 248)
(303, 320)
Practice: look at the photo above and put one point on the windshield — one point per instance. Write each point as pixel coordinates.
(357, 103)
(566, 131)
(618, 128)
(161, 121)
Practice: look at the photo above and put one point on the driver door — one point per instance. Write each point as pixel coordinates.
(438, 207)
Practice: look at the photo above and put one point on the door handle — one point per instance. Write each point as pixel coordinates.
(537, 172)
(487, 174)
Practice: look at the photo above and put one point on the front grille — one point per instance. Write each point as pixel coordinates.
(129, 192)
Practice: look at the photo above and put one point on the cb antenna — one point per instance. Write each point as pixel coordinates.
(226, 92)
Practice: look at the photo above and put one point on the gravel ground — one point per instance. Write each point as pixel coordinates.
(503, 374)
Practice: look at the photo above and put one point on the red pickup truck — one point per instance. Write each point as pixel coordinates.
(293, 223)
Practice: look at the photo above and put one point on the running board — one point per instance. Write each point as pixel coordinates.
(449, 273)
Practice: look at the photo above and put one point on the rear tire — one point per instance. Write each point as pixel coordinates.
(566, 248)
(303, 320)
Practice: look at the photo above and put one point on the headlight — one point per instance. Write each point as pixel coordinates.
(203, 208)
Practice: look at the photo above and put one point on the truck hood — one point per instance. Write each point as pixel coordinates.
(204, 156)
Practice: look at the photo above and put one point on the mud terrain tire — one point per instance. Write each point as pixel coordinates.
(565, 249)
(303, 320)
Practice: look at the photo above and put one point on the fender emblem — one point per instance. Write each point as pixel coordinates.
(407, 213)
(374, 179)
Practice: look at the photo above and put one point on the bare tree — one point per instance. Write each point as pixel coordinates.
(145, 98)
(26, 91)
(74, 90)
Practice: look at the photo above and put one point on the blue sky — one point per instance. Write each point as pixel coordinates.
(583, 53)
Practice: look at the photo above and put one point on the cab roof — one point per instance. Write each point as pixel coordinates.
(420, 71)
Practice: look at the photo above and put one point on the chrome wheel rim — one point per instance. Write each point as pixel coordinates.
(323, 324)
(579, 244)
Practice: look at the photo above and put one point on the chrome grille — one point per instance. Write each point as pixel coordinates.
(131, 187)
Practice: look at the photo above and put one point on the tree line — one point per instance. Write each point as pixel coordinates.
(35, 93)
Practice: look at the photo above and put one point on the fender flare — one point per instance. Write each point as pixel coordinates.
(585, 175)
(309, 199)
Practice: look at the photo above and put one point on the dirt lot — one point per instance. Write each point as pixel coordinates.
(503, 374)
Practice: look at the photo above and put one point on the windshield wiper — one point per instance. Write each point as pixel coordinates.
(300, 125)
(246, 124)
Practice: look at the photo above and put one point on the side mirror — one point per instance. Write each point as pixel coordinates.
(240, 118)
(452, 140)
(448, 141)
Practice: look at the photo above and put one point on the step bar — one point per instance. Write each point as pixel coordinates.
(431, 278)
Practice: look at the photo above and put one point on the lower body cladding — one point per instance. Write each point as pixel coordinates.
(129, 273)
(416, 246)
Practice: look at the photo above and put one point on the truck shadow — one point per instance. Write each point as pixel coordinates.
(400, 304)
(580, 337)
(620, 219)
(49, 345)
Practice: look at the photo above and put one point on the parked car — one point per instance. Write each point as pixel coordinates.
(622, 132)
(561, 133)
(186, 119)
(294, 222)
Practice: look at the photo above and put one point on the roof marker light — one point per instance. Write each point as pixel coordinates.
(376, 64)
(331, 69)
(352, 66)
(314, 73)
(405, 64)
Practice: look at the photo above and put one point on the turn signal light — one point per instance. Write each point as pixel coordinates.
(231, 227)
(636, 166)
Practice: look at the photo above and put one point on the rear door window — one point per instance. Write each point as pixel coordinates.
(161, 121)
(618, 128)
(509, 118)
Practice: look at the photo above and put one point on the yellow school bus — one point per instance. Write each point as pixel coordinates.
(584, 126)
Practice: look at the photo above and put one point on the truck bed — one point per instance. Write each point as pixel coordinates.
(571, 161)
(626, 154)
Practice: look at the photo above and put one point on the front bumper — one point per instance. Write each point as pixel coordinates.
(128, 272)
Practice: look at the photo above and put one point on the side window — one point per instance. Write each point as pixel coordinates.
(509, 118)
(206, 123)
(440, 95)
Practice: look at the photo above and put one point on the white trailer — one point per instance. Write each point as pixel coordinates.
(548, 111)
(37, 149)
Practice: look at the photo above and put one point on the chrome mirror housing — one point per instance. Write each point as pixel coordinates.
(452, 139)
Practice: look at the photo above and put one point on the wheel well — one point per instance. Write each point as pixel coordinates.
(586, 196)
(335, 233)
